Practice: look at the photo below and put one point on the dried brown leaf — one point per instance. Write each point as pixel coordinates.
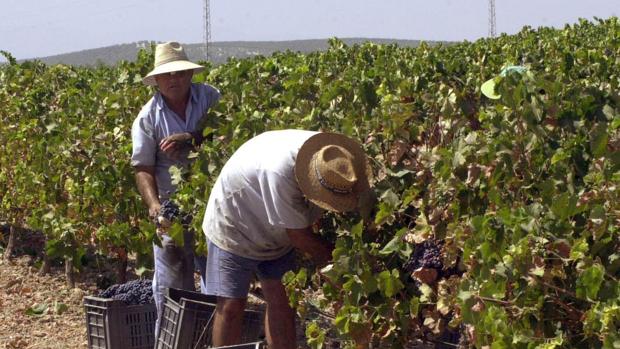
(425, 275)
(396, 152)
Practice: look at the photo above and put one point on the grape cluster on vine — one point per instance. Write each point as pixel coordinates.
(426, 255)
(135, 292)
(171, 212)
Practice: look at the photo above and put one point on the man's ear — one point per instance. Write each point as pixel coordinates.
(366, 204)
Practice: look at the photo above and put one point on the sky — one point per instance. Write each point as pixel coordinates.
(37, 28)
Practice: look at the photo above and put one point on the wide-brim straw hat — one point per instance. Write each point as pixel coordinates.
(332, 171)
(170, 57)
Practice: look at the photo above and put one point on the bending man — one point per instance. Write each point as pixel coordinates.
(262, 207)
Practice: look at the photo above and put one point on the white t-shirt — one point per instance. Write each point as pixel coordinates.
(256, 198)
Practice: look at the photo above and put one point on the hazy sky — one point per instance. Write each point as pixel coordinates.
(30, 28)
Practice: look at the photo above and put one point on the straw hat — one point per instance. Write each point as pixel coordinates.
(332, 171)
(170, 57)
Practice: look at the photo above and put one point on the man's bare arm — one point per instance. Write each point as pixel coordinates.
(147, 186)
(313, 244)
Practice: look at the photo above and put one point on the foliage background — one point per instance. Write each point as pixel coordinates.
(522, 192)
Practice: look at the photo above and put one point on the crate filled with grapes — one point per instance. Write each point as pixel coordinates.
(122, 316)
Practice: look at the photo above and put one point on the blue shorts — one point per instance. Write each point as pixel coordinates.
(229, 275)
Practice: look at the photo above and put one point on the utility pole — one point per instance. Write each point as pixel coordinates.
(492, 28)
(207, 29)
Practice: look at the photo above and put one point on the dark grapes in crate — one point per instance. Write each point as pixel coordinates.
(135, 292)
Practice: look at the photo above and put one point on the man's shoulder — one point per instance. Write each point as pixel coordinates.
(274, 146)
(148, 110)
(206, 90)
(289, 139)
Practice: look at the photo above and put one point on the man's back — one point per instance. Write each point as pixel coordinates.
(256, 197)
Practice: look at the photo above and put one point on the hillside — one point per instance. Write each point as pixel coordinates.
(220, 51)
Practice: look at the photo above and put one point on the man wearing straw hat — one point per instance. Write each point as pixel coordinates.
(262, 207)
(164, 132)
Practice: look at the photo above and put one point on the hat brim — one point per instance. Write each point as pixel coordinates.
(488, 89)
(307, 176)
(170, 67)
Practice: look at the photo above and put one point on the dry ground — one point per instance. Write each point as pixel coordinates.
(42, 312)
(23, 292)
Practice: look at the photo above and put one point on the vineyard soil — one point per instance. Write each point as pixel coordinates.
(24, 323)
(41, 312)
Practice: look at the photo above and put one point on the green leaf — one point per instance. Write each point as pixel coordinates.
(354, 288)
(141, 270)
(342, 321)
(589, 282)
(315, 335)
(538, 271)
(176, 232)
(564, 205)
(176, 175)
(498, 344)
(556, 342)
(37, 309)
(579, 249)
(385, 214)
(409, 195)
(559, 156)
(60, 308)
(465, 295)
(389, 283)
(414, 306)
(427, 293)
(390, 198)
(598, 140)
(458, 159)
(396, 244)
(609, 112)
(369, 282)
(357, 229)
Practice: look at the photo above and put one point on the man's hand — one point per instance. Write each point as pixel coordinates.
(323, 254)
(313, 244)
(147, 185)
(174, 144)
(154, 210)
(154, 215)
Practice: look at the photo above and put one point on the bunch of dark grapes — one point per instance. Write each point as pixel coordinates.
(171, 212)
(426, 255)
(135, 292)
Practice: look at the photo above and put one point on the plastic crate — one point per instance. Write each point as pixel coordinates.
(188, 317)
(253, 345)
(111, 324)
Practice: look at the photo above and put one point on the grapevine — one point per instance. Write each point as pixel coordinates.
(495, 220)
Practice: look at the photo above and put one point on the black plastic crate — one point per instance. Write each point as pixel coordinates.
(253, 345)
(188, 317)
(111, 324)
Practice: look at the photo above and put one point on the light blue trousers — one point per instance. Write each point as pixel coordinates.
(174, 267)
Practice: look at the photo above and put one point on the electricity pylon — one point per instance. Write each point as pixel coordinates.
(492, 28)
(207, 29)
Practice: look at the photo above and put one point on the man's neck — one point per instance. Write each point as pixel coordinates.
(178, 105)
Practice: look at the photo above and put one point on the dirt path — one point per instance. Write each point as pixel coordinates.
(40, 311)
